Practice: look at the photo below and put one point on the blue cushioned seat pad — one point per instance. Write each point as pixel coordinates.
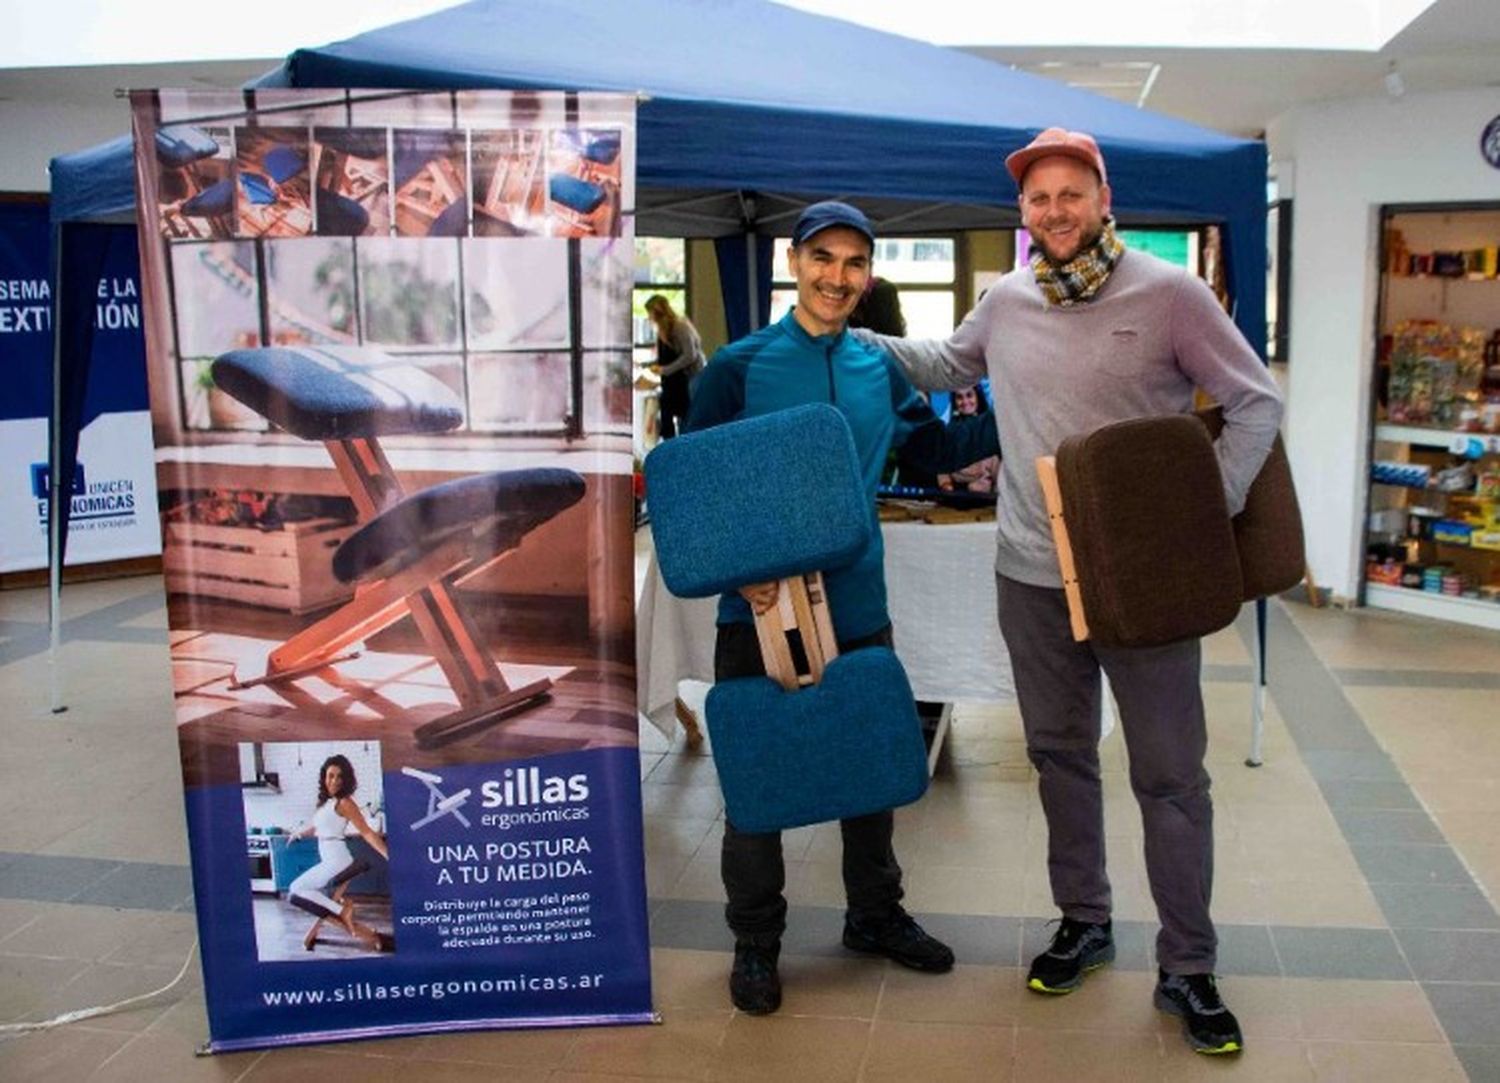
(216, 199)
(603, 149)
(502, 508)
(757, 499)
(337, 392)
(179, 145)
(453, 222)
(284, 163)
(847, 746)
(340, 216)
(258, 189)
(576, 195)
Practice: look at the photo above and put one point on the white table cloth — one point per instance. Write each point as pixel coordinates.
(941, 586)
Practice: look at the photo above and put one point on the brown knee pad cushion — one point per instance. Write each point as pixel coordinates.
(1152, 544)
(1268, 531)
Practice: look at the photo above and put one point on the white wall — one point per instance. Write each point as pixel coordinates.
(1347, 158)
(33, 133)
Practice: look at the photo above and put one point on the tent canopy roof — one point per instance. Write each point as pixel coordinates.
(746, 101)
(750, 95)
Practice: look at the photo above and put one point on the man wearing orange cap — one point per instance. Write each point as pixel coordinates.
(1088, 334)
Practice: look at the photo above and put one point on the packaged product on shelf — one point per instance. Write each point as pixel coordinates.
(1419, 522)
(1387, 522)
(1470, 357)
(1454, 479)
(1424, 373)
(1398, 256)
(1452, 531)
(1408, 475)
(1448, 264)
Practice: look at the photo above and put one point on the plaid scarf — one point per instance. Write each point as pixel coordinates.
(1082, 276)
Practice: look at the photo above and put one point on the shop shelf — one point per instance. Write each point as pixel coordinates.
(1446, 439)
(1481, 614)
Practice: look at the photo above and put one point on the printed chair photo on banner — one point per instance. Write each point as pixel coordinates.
(195, 183)
(412, 550)
(778, 497)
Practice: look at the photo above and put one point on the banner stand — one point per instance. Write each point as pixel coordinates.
(384, 335)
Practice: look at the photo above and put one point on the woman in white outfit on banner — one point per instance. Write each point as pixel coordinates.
(336, 814)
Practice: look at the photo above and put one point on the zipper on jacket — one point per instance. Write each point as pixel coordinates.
(828, 361)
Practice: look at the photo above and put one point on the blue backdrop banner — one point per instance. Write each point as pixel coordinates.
(113, 512)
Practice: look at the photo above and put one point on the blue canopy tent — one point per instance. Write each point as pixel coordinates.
(751, 109)
(755, 108)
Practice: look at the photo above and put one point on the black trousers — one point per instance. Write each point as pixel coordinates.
(752, 866)
(675, 394)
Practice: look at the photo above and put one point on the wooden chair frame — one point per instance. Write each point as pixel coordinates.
(424, 590)
(801, 606)
(1046, 471)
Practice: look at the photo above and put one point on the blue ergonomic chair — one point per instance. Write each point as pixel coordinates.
(824, 736)
(412, 550)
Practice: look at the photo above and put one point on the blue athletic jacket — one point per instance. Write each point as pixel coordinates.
(782, 366)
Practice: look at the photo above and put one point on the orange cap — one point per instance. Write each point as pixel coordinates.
(1077, 145)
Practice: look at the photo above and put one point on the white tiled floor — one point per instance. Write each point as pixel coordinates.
(1330, 979)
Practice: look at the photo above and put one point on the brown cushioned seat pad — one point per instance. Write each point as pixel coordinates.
(1268, 531)
(1154, 552)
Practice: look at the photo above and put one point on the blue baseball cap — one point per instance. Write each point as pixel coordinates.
(829, 213)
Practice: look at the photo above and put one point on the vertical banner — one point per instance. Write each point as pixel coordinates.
(113, 514)
(389, 355)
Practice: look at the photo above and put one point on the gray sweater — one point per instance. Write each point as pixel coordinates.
(1138, 349)
(689, 349)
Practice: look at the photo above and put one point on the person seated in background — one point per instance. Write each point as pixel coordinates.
(977, 477)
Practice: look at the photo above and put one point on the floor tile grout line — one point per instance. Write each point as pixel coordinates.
(1286, 627)
(1291, 710)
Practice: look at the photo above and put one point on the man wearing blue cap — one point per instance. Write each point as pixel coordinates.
(808, 356)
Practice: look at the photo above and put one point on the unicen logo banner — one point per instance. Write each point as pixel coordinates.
(113, 517)
(388, 410)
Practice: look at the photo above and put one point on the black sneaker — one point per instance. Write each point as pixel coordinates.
(754, 985)
(1077, 947)
(1209, 1026)
(898, 937)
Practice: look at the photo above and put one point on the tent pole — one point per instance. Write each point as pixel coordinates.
(752, 282)
(56, 493)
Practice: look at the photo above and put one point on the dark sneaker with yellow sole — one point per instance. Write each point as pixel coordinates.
(899, 938)
(1077, 947)
(1208, 1025)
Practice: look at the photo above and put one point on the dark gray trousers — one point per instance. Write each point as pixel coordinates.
(752, 866)
(1161, 713)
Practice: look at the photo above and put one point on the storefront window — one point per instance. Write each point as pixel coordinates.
(489, 319)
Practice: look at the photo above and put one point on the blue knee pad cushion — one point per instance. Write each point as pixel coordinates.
(847, 746)
(758, 499)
